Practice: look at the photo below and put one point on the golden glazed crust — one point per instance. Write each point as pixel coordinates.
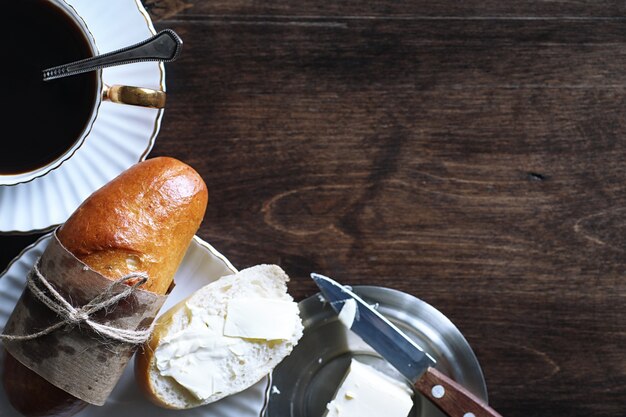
(142, 221)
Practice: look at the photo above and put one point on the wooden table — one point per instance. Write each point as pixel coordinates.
(470, 153)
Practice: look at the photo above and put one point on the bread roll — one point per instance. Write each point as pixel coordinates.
(227, 365)
(141, 221)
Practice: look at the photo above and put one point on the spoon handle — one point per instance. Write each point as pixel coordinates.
(165, 46)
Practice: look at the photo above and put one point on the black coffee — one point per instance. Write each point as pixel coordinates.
(41, 120)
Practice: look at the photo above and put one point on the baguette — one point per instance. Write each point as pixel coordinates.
(229, 364)
(141, 221)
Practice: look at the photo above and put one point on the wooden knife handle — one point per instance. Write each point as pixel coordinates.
(452, 398)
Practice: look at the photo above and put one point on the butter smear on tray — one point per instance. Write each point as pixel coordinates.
(366, 392)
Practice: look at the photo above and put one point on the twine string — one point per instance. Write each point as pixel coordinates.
(72, 316)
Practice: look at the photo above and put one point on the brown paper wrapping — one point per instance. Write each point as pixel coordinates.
(74, 358)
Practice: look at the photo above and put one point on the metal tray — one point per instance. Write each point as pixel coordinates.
(307, 379)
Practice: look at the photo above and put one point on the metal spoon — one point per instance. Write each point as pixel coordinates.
(165, 46)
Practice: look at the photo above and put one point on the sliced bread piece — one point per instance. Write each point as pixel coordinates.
(221, 340)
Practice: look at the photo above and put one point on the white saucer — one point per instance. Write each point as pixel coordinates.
(202, 264)
(121, 135)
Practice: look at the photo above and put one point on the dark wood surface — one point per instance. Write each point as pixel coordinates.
(470, 153)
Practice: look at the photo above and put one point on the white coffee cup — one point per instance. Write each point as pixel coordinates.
(116, 93)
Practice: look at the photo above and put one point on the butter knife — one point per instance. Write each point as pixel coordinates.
(402, 352)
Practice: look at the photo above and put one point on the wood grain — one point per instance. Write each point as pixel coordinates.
(469, 153)
(483, 9)
(163, 9)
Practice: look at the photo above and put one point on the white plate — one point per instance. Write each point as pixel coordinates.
(121, 135)
(201, 265)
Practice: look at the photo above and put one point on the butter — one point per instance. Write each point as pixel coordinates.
(366, 392)
(260, 318)
(348, 312)
(200, 357)
(193, 356)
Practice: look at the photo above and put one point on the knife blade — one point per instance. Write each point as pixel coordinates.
(401, 352)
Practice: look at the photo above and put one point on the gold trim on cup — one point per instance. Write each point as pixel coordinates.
(136, 96)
